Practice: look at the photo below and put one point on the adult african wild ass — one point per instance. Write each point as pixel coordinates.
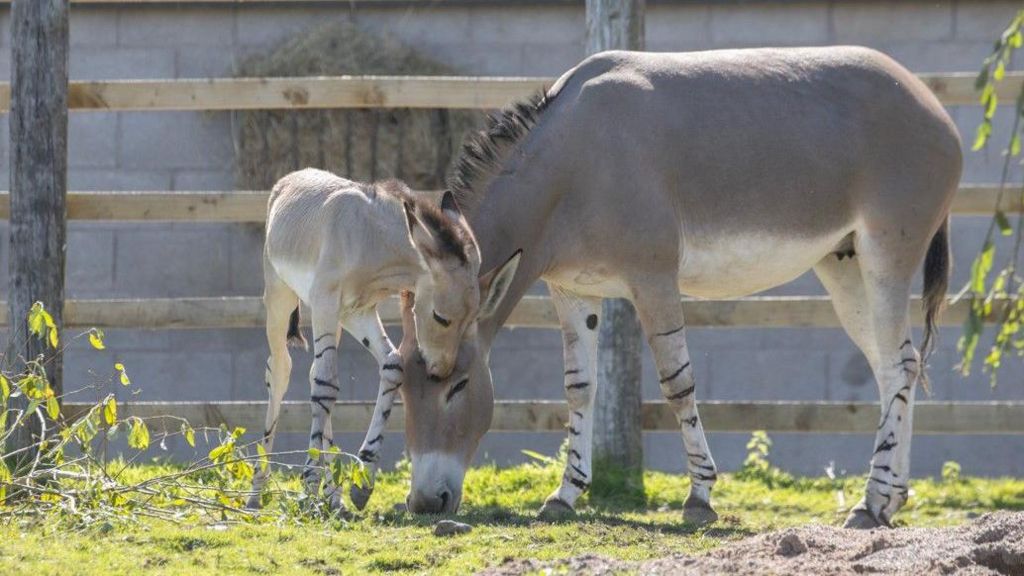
(341, 247)
(717, 174)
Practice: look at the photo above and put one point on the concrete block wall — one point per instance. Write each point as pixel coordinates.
(194, 151)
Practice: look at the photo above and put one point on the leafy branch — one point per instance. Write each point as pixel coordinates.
(999, 298)
(61, 473)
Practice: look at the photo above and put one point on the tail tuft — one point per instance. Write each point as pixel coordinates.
(295, 338)
(937, 265)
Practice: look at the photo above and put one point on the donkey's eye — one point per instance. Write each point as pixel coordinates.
(440, 319)
(459, 386)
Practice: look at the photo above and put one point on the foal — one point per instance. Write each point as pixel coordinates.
(341, 247)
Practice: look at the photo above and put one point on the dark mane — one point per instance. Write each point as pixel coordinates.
(452, 239)
(484, 151)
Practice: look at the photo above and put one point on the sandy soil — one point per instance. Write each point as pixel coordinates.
(992, 544)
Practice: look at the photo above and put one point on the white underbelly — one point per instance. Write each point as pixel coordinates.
(741, 265)
(724, 268)
(298, 277)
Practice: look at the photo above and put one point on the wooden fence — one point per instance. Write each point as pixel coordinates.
(533, 311)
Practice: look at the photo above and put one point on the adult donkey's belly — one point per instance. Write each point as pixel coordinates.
(740, 265)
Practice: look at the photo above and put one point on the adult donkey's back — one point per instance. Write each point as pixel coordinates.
(716, 174)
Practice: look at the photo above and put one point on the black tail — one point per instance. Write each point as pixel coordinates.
(937, 265)
(295, 337)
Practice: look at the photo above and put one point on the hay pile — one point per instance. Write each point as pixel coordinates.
(415, 145)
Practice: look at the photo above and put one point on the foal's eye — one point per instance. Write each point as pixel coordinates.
(440, 319)
(459, 386)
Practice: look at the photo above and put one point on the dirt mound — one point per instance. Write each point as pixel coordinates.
(991, 545)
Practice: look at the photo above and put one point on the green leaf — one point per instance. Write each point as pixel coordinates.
(1000, 71)
(1003, 223)
(237, 432)
(124, 375)
(35, 319)
(262, 453)
(110, 411)
(981, 267)
(219, 451)
(5, 389)
(1016, 40)
(189, 433)
(314, 453)
(96, 338)
(982, 134)
(138, 436)
(982, 79)
(52, 407)
(991, 104)
(1015, 145)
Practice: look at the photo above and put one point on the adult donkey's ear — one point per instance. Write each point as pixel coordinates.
(495, 284)
(450, 208)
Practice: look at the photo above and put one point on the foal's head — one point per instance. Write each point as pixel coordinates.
(455, 296)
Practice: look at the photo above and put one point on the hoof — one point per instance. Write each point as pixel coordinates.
(359, 496)
(698, 512)
(554, 509)
(337, 506)
(861, 518)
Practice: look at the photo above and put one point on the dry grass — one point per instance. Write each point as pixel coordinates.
(365, 145)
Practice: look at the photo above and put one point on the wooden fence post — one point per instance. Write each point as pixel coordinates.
(618, 437)
(38, 156)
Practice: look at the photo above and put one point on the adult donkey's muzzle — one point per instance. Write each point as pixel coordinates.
(442, 501)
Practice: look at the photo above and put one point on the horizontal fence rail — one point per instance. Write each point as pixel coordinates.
(551, 416)
(380, 92)
(531, 312)
(249, 206)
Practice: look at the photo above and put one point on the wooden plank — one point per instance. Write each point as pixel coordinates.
(377, 92)
(531, 312)
(980, 199)
(299, 93)
(550, 416)
(251, 206)
(957, 88)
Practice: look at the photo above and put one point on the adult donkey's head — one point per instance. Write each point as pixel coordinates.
(446, 416)
(454, 296)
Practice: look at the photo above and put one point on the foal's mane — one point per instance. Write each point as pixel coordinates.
(484, 152)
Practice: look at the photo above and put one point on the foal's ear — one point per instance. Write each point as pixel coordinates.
(495, 284)
(419, 234)
(449, 207)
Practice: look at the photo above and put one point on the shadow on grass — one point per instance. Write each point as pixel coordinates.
(497, 516)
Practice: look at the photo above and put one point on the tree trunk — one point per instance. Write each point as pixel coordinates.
(618, 439)
(38, 132)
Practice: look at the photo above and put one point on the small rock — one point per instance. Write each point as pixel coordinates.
(450, 528)
(790, 545)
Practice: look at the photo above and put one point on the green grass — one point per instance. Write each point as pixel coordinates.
(499, 503)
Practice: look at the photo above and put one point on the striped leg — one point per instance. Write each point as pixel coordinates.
(279, 301)
(366, 327)
(874, 313)
(324, 389)
(662, 321)
(579, 318)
